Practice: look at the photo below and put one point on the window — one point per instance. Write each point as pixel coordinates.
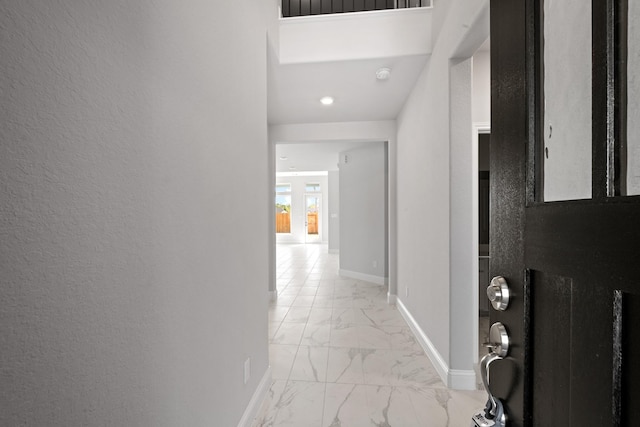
(283, 188)
(312, 188)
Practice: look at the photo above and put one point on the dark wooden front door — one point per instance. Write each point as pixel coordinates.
(573, 266)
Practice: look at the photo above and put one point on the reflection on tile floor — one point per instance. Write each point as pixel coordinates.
(342, 357)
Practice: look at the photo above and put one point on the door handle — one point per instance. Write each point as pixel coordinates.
(493, 414)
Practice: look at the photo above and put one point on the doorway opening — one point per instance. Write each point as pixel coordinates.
(310, 170)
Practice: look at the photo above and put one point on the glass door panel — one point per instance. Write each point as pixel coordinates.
(283, 208)
(567, 106)
(312, 219)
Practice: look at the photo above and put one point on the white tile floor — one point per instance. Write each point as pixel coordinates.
(342, 357)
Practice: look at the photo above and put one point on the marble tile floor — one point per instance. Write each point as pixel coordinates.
(342, 357)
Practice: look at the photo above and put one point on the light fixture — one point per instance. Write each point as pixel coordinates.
(383, 73)
(327, 100)
(283, 157)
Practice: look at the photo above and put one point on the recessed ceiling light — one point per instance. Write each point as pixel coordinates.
(283, 157)
(327, 100)
(383, 73)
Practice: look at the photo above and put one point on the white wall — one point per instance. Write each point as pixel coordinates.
(363, 220)
(481, 101)
(298, 208)
(334, 212)
(127, 260)
(382, 33)
(440, 11)
(435, 275)
(338, 131)
(463, 186)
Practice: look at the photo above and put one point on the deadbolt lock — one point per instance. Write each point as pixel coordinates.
(498, 293)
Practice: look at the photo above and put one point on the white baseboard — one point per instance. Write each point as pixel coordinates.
(391, 299)
(366, 277)
(256, 402)
(438, 362)
(460, 379)
(457, 379)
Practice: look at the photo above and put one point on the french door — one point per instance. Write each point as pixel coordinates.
(312, 218)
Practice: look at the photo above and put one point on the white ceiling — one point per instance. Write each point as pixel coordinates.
(295, 89)
(294, 97)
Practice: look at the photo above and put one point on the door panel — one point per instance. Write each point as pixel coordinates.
(572, 363)
(551, 303)
(628, 347)
(573, 266)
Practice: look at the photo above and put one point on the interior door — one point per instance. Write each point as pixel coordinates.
(571, 257)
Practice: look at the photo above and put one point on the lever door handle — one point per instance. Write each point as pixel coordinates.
(494, 406)
(493, 415)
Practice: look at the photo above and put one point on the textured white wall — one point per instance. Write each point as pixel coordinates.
(481, 88)
(423, 204)
(464, 243)
(133, 274)
(435, 274)
(363, 207)
(339, 131)
(334, 211)
(379, 33)
(440, 11)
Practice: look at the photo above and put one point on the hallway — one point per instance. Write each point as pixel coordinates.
(341, 356)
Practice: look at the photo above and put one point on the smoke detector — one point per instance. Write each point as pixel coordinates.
(383, 73)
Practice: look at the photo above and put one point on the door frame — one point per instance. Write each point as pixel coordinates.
(478, 129)
(313, 132)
